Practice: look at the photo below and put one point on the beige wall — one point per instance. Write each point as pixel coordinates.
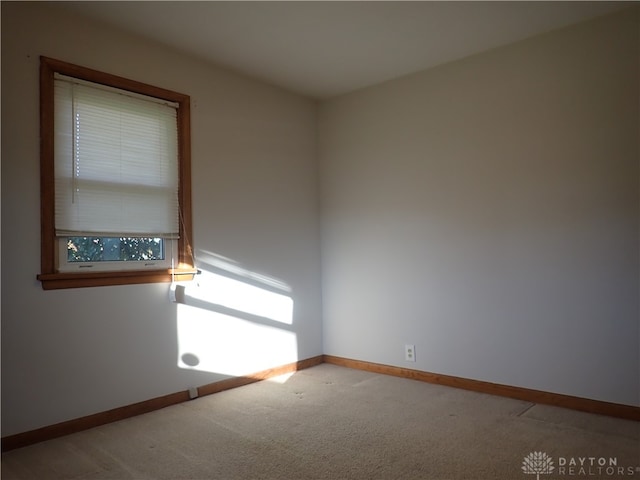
(67, 354)
(487, 212)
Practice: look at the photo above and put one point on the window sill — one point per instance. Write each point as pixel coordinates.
(54, 281)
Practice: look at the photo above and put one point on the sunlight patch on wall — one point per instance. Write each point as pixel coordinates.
(230, 293)
(233, 321)
(213, 342)
(227, 265)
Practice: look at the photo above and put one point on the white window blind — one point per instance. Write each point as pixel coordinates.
(116, 162)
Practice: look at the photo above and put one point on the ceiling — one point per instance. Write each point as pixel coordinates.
(322, 49)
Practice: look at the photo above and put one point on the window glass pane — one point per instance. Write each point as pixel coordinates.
(114, 249)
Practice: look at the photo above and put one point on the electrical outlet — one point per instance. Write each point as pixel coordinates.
(410, 353)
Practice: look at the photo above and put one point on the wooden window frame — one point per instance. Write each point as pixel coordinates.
(50, 277)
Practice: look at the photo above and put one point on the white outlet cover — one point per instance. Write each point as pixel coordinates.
(410, 353)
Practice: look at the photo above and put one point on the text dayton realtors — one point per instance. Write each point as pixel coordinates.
(592, 466)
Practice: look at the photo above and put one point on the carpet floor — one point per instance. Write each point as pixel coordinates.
(331, 422)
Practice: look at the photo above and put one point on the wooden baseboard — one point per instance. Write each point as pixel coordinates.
(257, 377)
(627, 412)
(535, 396)
(84, 423)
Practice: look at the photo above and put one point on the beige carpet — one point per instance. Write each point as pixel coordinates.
(330, 422)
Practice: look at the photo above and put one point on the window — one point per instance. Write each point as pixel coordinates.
(115, 180)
